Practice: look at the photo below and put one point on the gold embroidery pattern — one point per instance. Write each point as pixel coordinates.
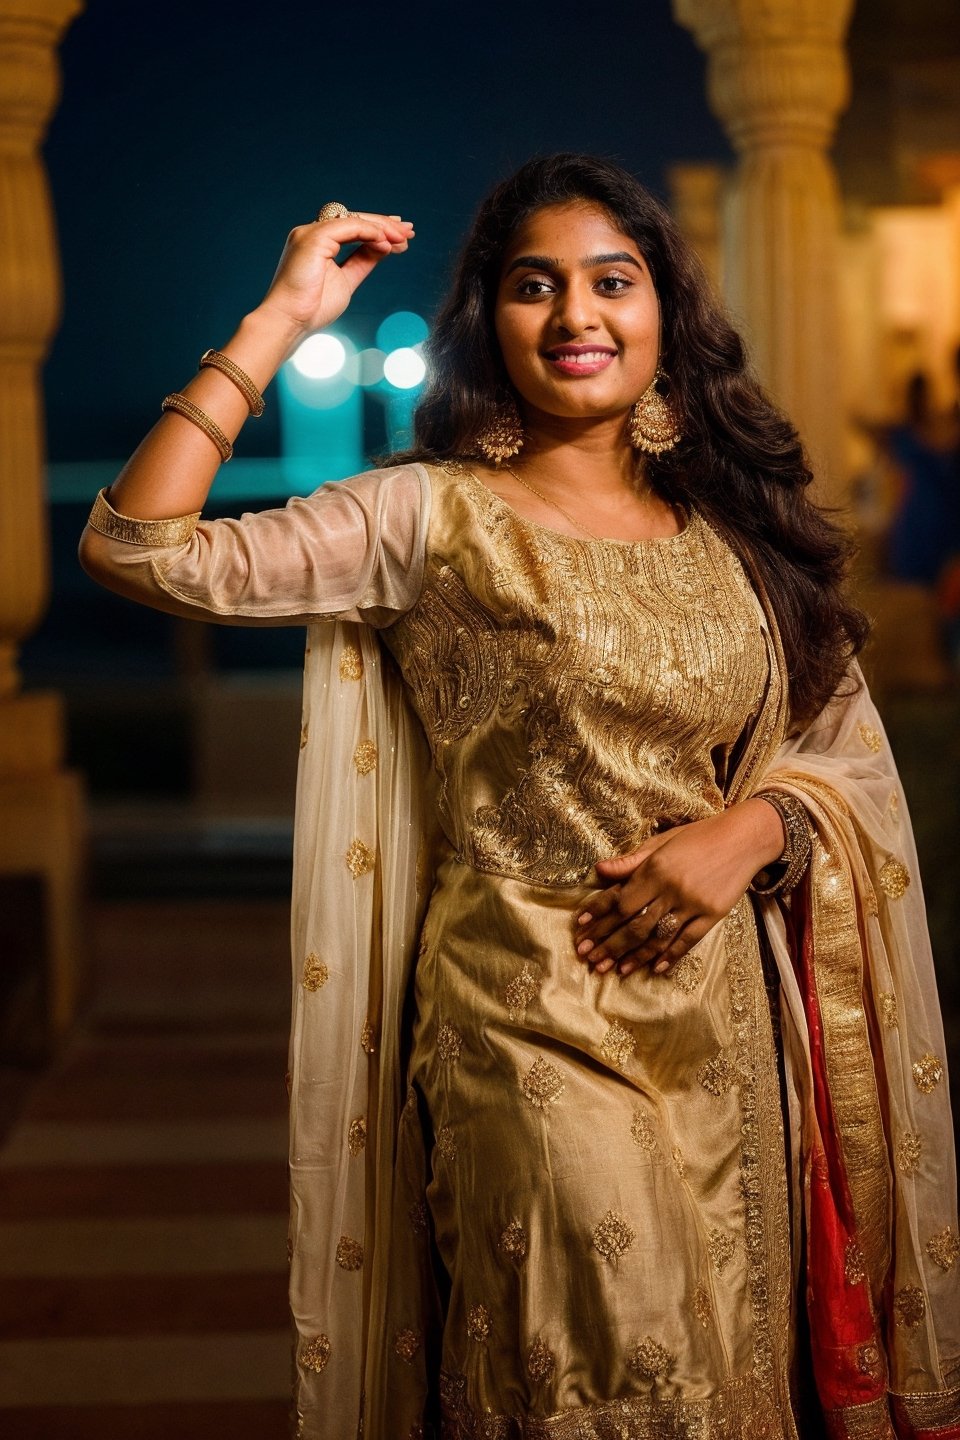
(522, 990)
(716, 1075)
(702, 1305)
(359, 859)
(618, 1045)
(304, 736)
(612, 1236)
(871, 738)
(541, 1362)
(406, 1345)
(722, 1247)
(909, 1151)
(478, 1324)
(357, 1136)
(679, 1164)
(543, 1084)
(688, 971)
(927, 1073)
(928, 1412)
(642, 1131)
(650, 1360)
(869, 1362)
(894, 808)
(315, 1354)
(894, 879)
(349, 1254)
(315, 973)
(115, 526)
(449, 1044)
(365, 757)
(943, 1248)
(417, 1215)
(889, 1011)
(909, 1306)
(447, 1142)
(513, 1241)
(368, 1038)
(853, 1267)
(351, 663)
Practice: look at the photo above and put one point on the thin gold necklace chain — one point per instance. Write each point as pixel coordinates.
(547, 501)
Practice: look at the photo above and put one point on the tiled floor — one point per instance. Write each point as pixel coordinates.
(143, 1192)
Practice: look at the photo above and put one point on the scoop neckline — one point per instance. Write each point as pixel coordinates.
(651, 542)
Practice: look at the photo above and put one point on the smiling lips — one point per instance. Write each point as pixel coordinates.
(580, 360)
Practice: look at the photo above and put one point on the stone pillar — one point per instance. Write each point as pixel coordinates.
(696, 199)
(777, 79)
(40, 803)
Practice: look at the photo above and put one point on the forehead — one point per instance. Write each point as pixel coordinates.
(569, 232)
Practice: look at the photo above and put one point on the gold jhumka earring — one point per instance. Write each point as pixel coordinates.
(502, 437)
(653, 426)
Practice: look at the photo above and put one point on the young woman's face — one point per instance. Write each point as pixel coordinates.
(576, 314)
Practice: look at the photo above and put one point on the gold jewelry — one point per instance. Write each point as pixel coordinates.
(795, 856)
(111, 523)
(240, 378)
(333, 210)
(182, 406)
(653, 426)
(503, 436)
(547, 501)
(667, 925)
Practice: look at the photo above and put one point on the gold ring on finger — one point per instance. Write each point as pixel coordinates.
(333, 210)
(666, 926)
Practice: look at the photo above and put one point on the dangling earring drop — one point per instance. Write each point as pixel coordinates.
(653, 426)
(503, 436)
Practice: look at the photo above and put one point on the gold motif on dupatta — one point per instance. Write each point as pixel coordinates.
(650, 1360)
(357, 1136)
(943, 1248)
(447, 1142)
(522, 990)
(406, 1345)
(417, 1215)
(722, 1247)
(702, 1305)
(679, 1164)
(618, 1045)
(642, 1131)
(894, 808)
(315, 1354)
(894, 879)
(449, 1043)
(612, 1236)
(349, 1253)
(541, 1362)
(368, 1038)
(871, 738)
(889, 1010)
(365, 757)
(716, 1075)
(351, 663)
(543, 1084)
(909, 1306)
(853, 1267)
(927, 1073)
(909, 1150)
(513, 1241)
(479, 1324)
(359, 859)
(315, 972)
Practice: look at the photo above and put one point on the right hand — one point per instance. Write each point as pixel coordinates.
(310, 290)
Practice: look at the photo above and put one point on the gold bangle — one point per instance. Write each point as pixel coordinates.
(795, 856)
(115, 526)
(240, 378)
(182, 406)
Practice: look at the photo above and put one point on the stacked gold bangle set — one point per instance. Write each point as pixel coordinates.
(796, 853)
(183, 405)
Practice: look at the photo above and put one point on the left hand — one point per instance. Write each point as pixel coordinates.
(697, 872)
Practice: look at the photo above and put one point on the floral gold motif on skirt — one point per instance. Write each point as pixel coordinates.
(869, 1361)
(541, 1362)
(542, 1084)
(449, 1043)
(351, 663)
(642, 1131)
(909, 1150)
(357, 1136)
(315, 1354)
(716, 1075)
(927, 1073)
(612, 1236)
(478, 1324)
(618, 1045)
(365, 757)
(688, 971)
(853, 1267)
(702, 1305)
(417, 1215)
(889, 1011)
(909, 1306)
(722, 1247)
(871, 738)
(513, 1241)
(406, 1344)
(349, 1254)
(315, 972)
(359, 859)
(368, 1038)
(894, 879)
(650, 1360)
(943, 1248)
(522, 990)
(447, 1142)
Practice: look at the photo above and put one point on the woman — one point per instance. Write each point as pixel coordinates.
(552, 1179)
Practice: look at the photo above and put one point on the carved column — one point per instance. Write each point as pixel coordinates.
(696, 199)
(40, 807)
(778, 79)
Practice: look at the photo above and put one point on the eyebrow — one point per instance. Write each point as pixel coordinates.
(545, 262)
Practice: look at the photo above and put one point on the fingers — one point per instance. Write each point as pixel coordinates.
(635, 934)
(664, 957)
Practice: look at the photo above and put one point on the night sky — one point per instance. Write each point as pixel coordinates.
(191, 136)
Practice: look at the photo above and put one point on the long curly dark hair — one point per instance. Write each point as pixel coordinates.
(740, 461)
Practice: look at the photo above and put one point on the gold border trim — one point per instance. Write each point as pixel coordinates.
(104, 519)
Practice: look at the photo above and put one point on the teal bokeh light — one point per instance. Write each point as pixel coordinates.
(321, 413)
(402, 331)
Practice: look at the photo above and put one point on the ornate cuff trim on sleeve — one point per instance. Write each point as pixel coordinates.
(104, 518)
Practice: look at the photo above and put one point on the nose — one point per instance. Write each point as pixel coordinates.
(574, 312)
